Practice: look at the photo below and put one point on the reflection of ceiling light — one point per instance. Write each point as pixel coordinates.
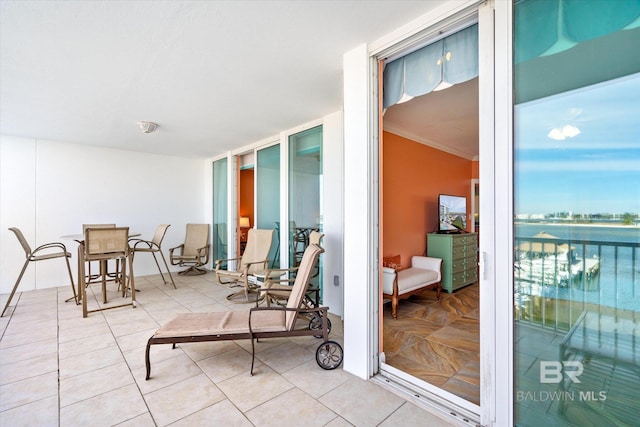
(560, 134)
(147, 127)
(404, 98)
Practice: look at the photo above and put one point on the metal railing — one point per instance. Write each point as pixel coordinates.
(557, 279)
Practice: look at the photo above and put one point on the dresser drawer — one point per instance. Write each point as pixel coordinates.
(458, 279)
(458, 252)
(458, 266)
(471, 274)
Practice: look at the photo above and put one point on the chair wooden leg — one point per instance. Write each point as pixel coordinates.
(13, 291)
(394, 307)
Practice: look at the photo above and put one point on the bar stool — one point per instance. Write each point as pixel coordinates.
(41, 253)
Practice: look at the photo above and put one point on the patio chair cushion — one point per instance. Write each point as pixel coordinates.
(223, 322)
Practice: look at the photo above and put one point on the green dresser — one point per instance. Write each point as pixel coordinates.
(459, 254)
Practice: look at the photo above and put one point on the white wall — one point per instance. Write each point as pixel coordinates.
(332, 215)
(49, 189)
(357, 285)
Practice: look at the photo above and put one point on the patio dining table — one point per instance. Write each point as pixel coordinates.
(79, 238)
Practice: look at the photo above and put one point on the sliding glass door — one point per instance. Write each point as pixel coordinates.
(577, 203)
(268, 197)
(220, 211)
(305, 192)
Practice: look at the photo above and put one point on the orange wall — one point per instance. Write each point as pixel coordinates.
(412, 177)
(246, 195)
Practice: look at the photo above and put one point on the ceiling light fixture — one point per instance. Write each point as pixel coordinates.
(147, 127)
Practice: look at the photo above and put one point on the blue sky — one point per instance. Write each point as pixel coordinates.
(596, 171)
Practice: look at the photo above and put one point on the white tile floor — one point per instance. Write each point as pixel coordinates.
(59, 369)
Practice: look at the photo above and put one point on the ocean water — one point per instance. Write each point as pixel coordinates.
(618, 248)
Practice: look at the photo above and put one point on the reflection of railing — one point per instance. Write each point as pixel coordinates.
(557, 279)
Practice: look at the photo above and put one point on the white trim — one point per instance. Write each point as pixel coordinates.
(253, 148)
(487, 178)
(427, 142)
(503, 214)
(284, 200)
(218, 157)
(208, 207)
(438, 394)
(303, 127)
(373, 189)
(429, 396)
(255, 145)
(409, 35)
(232, 207)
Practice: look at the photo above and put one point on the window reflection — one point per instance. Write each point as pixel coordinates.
(577, 225)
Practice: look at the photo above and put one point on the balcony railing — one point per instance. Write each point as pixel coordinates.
(557, 279)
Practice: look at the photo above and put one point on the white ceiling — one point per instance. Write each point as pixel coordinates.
(446, 119)
(216, 75)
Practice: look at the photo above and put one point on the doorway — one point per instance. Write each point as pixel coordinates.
(246, 184)
(430, 147)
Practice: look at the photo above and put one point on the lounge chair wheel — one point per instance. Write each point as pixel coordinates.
(329, 355)
(316, 324)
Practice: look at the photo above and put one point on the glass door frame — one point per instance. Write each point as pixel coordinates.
(232, 204)
(284, 185)
(500, 265)
(496, 179)
(256, 203)
(283, 140)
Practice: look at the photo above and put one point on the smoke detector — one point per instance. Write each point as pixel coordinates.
(147, 127)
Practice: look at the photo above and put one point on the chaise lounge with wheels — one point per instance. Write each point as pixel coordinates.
(257, 323)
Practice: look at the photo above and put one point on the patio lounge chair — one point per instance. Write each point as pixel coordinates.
(255, 258)
(256, 323)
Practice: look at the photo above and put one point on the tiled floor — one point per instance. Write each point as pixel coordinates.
(59, 369)
(438, 341)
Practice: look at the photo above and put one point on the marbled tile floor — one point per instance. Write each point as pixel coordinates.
(437, 341)
(59, 369)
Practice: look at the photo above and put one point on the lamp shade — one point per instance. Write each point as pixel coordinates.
(244, 222)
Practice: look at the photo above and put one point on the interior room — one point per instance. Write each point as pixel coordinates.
(430, 147)
(246, 217)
